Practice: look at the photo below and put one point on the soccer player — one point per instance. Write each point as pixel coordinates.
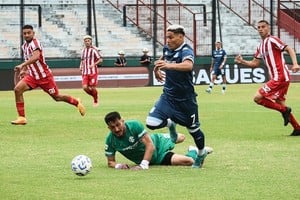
(218, 61)
(272, 94)
(132, 140)
(90, 58)
(34, 72)
(178, 103)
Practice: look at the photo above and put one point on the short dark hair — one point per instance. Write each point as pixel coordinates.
(263, 21)
(111, 117)
(27, 27)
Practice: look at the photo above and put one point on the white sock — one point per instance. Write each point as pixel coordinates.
(201, 152)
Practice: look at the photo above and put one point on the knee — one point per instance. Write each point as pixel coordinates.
(85, 87)
(154, 123)
(17, 89)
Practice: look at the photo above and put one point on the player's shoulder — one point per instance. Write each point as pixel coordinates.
(109, 137)
(187, 47)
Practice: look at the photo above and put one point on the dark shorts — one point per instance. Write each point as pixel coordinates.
(184, 112)
(167, 159)
(217, 71)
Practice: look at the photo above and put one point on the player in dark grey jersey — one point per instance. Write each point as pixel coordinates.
(178, 103)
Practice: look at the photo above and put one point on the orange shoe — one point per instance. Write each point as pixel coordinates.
(81, 107)
(19, 121)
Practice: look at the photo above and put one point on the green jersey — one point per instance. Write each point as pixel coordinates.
(132, 148)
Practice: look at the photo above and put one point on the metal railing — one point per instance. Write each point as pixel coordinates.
(141, 14)
(251, 11)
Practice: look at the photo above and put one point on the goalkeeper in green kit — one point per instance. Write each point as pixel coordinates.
(131, 139)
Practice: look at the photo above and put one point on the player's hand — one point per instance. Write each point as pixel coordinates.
(91, 66)
(238, 59)
(22, 73)
(159, 75)
(295, 68)
(18, 67)
(160, 64)
(121, 166)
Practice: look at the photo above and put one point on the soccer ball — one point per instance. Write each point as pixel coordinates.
(81, 165)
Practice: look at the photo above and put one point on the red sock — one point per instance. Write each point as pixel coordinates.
(89, 91)
(294, 122)
(95, 95)
(20, 108)
(72, 101)
(272, 105)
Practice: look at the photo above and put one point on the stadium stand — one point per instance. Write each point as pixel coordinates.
(64, 24)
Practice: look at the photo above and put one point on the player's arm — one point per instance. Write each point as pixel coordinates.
(22, 69)
(250, 63)
(292, 54)
(111, 162)
(81, 65)
(186, 65)
(99, 61)
(149, 149)
(35, 56)
(158, 74)
(224, 61)
(212, 63)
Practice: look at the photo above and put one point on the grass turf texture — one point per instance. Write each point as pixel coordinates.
(254, 158)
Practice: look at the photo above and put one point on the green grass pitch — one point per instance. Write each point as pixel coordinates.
(254, 158)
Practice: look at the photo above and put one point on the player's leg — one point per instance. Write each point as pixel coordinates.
(89, 84)
(51, 88)
(170, 158)
(193, 152)
(158, 117)
(19, 89)
(293, 121)
(178, 159)
(188, 117)
(211, 84)
(223, 81)
(264, 96)
(94, 93)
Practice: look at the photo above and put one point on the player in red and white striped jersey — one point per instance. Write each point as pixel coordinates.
(90, 58)
(272, 94)
(34, 72)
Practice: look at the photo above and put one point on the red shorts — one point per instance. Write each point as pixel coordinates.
(47, 84)
(275, 90)
(90, 79)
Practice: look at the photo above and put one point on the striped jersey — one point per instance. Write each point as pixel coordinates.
(271, 50)
(39, 69)
(88, 57)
